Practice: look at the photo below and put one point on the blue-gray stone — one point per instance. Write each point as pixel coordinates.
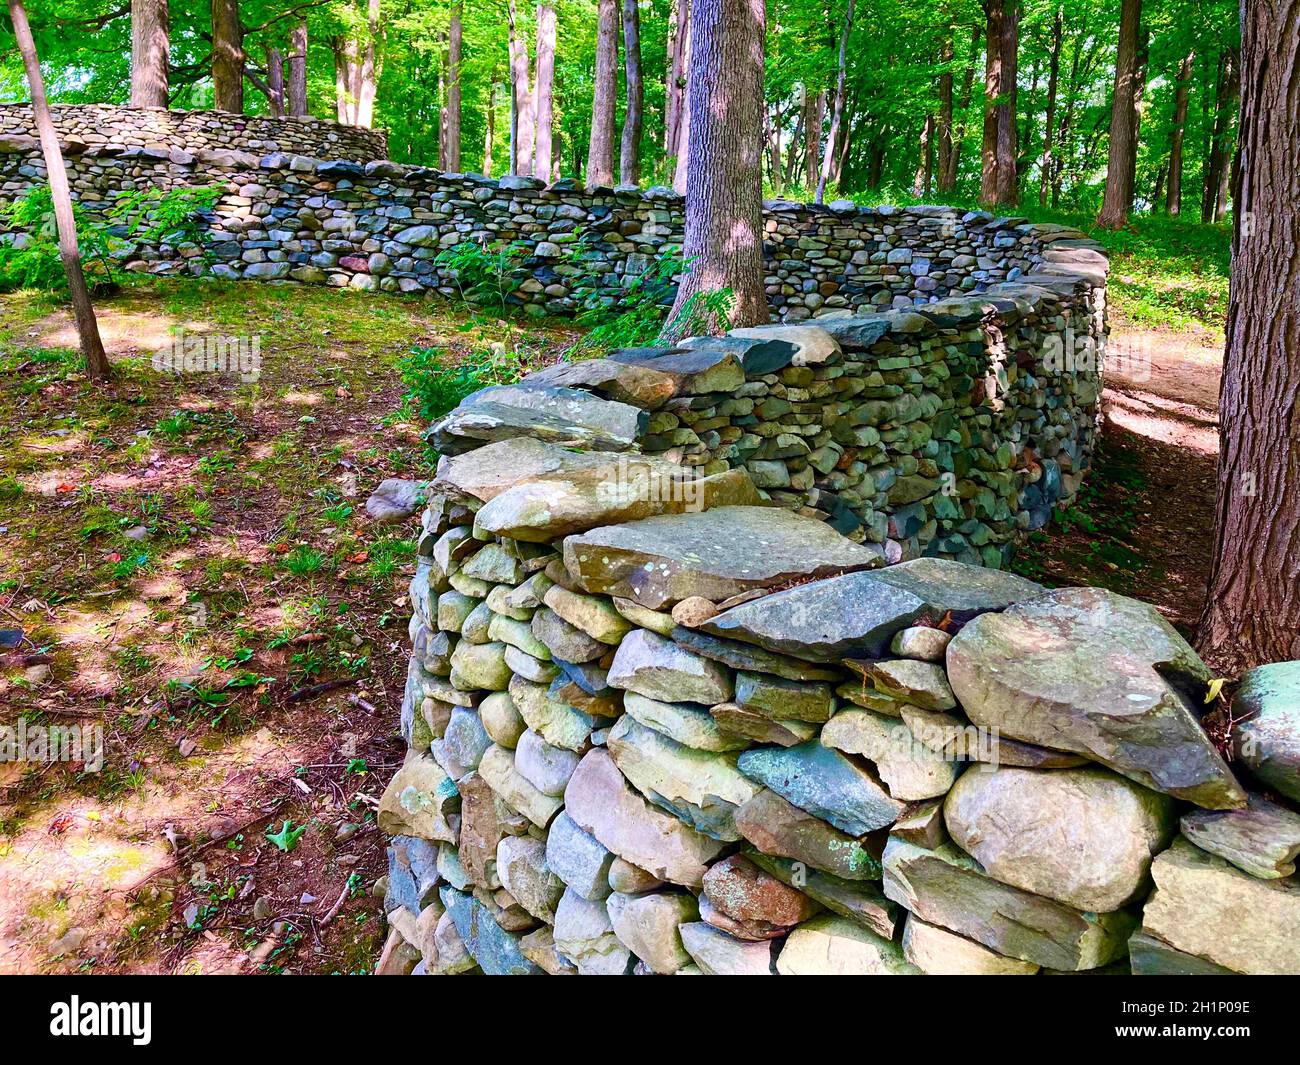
(825, 783)
(496, 950)
(1267, 736)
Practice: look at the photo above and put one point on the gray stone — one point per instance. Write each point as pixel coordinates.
(719, 954)
(781, 829)
(759, 727)
(1085, 837)
(1109, 678)
(957, 739)
(1149, 956)
(1262, 840)
(949, 587)
(496, 950)
(557, 723)
(647, 926)
(946, 887)
(825, 621)
(715, 554)
(921, 642)
(521, 865)
(578, 858)
(585, 936)
(922, 684)
(743, 656)
(395, 500)
(497, 768)
(1206, 907)
(547, 768)
(466, 738)
(826, 784)
(660, 669)
(908, 769)
(860, 901)
(564, 641)
(1267, 741)
(835, 946)
(784, 700)
(687, 723)
(418, 801)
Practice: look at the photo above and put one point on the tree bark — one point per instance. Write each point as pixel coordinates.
(837, 112)
(451, 120)
(357, 66)
(629, 159)
(1118, 198)
(948, 176)
(523, 120)
(1008, 183)
(813, 136)
(683, 139)
(944, 127)
(600, 149)
(227, 57)
(150, 52)
(724, 207)
(543, 147)
(1048, 164)
(989, 185)
(1183, 85)
(275, 81)
(675, 90)
(92, 348)
(1254, 594)
(1214, 199)
(925, 159)
(297, 88)
(490, 124)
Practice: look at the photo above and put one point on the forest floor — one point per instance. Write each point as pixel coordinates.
(187, 555)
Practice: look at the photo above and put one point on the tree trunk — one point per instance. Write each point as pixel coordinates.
(993, 14)
(275, 81)
(357, 65)
(837, 112)
(297, 89)
(227, 57)
(629, 159)
(490, 124)
(683, 139)
(948, 177)
(1123, 122)
(813, 136)
(523, 121)
(1254, 594)
(1214, 201)
(1174, 190)
(774, 147)
(944, 127)
(92, 348)
(724, 208)
(1008, 183)
(451, 120)
(1048, 165)
(150, 51)
(925, 160)
(600, 149)
(675, 90)
(544, 145)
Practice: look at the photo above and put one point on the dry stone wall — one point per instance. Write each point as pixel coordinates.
(106, 129)
(292, 212)
(657, 725)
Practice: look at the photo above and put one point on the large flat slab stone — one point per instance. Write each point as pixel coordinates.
(1263, 839)
(1204, 906)
(1267, 739)
(781, 829)
(565, 416)
(950, 587)
(848, 616)
(716, 554)
(830, 945)
(946, 887)
(1098, 674)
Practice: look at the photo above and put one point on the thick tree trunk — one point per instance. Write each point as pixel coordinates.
(837, 112)
(227, 57)
(150, 51)
(523, 116)
(998, 149)
(675, 90)
(600, 149)
(452, 116)
(275, 81)
(629, 158)
(1118, 198)
(1047, 163)
(682, 160)
(296, 95)
(92, 348)
(813, 136)
(724, 207)
(544, 145)
(1254, 596)
(1174, 190)
(357, 65)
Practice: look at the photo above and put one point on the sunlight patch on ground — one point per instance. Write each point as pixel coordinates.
(1160, 419)
(123, 332)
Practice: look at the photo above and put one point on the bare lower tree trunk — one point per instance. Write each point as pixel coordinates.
(227, 57)
(1047, 163)
(813, 131)
(683, 142)
(523, 119)
(600, 149)
(150, 51)
(1254, 595)
(837, 112)
(297, 89)
(1214, 199)
(357, 66)
(1007, 146)
(543, 147)
(1118, 198)
(944, 126)
(724, 205)
(451, 117)
(490, 122)
(1174, 190)
(629, 158)
(92, 348)
(925, 159)
(275, 82)
(993, 12)
(675, 88)
(948, 178)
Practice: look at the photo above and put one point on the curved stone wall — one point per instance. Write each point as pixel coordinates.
(107, 130)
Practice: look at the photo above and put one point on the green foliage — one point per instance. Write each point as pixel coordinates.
(485, 274)
(288, 836)
(32, 259)
(173, 217)
(434, 388)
